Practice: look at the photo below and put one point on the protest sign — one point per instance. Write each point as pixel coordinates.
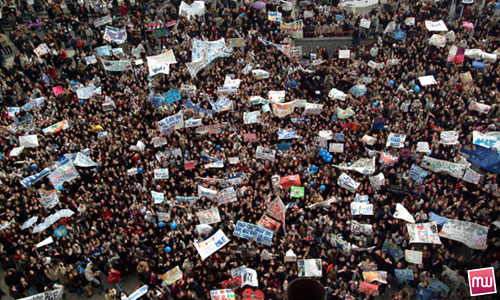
(157, 197)
(348, 183)
(259, 74)
(56, 127)
(413, 257)
(313, 109)
(425, 233)
(436, 26)
(358, 228)
(377, 181)
(41, 50)
(427, 80)
(367, 288)
(171, 123)
(172, 96)
(309, 267)
(117, 35)
(471, 234)
(211, 245)
(160, 173)
(209, 216)
(336, 148)
(472, 176)
(208, 50)
(438, 165)
(48, 198)
(83, 161)
(232, 284)
(418, 174)
(438, 219)
(28, 181)
(102, 20)
(206, 192)
(403, 214)
(253, 232)
(423, 147)
(103, 51)
(269, 223)
(52, 295)
(438, 40)
(365, 23)
(251, 117)
(28, 141)
(274, 16)
(249, 277)
(404, 274)
(344, 54)
(361, 208)
(480, 107)
(396, 140)
(283, 146)
(285, 134)
(161, 63)
(371, 276)
(369, 140)
(488, 140)
(236, 42)
(277, 210)
(286, 182)
(249, 294)
(449, 137)
(297, 192)
(282, 110)
(295, 29)
(265, 153)
(344, 114)
(16, 151)
(197, 8)
(64, 173)
(60, 232)
(221, 294)
(439, 286)
(226, 195)
(117, 65)
(393, 250)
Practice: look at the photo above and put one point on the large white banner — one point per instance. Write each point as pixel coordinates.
(212, 244)
(439, 165)
(361, 208)
(51, 295)
(471, 234)
(425, 233)
(265, 153)
(117, 65)
(161, 63)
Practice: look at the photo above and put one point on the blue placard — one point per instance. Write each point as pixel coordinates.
(172, 96)
(253, 232)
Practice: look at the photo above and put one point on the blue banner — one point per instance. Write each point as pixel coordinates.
(172, 96)
(426, 294)
(483, 157)
(393, 250)
(253, 232)
(61, 231)
(404, 274)
(284, 146)
(437, 218)
(28, 181)
(418, 174)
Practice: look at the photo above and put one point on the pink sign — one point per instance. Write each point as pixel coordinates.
(58, 90)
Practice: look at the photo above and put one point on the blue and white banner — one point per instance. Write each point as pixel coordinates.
(28, 181)
(171, 123)
(253, 232)
(286, 134)
(117, 35)
(418, 174)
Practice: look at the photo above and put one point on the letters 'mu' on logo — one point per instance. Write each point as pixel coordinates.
(482, 281)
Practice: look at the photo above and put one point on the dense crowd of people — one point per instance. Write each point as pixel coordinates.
(118, 229)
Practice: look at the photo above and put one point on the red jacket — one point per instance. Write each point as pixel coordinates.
(114, 276)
